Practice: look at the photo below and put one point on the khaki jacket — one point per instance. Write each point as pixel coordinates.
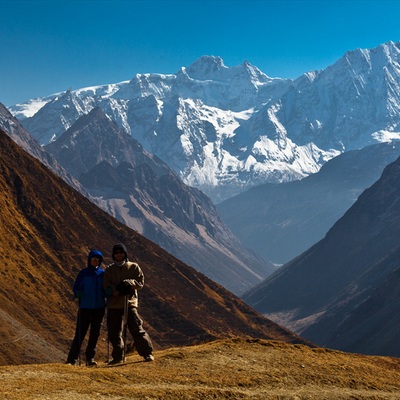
(131, 274)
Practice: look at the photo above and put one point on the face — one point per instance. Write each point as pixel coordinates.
(95, 261)
(119, 255)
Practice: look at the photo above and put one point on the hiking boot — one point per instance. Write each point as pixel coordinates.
(72, 362)
(115, 361)
(91, 362)
(149, 358)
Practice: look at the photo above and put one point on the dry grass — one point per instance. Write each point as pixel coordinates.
(226, 369)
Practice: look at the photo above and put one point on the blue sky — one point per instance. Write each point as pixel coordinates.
(51, 46)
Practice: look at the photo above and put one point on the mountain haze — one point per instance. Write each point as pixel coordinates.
(280, 221)
(343, 292)
(46, 232)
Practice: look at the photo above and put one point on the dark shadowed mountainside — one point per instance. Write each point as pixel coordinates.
(343, 292)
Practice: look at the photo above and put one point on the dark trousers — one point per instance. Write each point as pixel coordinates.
(86, 317)
(115, 327)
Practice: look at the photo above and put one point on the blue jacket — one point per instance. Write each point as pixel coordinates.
(88, 286)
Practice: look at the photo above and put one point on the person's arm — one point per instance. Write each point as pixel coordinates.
(78, 287)
(108, 286)
(137, 280)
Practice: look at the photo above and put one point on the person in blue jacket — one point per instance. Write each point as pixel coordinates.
(88, 288)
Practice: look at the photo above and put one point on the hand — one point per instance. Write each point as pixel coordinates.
(108, 292)
(123, 288)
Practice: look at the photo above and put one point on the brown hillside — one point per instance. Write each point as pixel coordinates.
(226, 369)
(46, 231)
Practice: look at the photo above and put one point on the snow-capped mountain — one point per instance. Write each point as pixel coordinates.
(224, 129)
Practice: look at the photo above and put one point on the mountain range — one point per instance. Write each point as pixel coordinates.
(47, 231)
(343, 292)
(225, 129)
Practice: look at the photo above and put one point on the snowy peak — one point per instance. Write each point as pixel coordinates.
(208, 68)
(363, 62)
(255, 74)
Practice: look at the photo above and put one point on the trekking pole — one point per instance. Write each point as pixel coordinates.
(125, 325)
(79, 332)
(108, 333)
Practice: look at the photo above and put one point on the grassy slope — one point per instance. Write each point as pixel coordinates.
(225, 369)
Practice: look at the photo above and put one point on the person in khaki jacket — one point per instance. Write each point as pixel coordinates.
(122, 280)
